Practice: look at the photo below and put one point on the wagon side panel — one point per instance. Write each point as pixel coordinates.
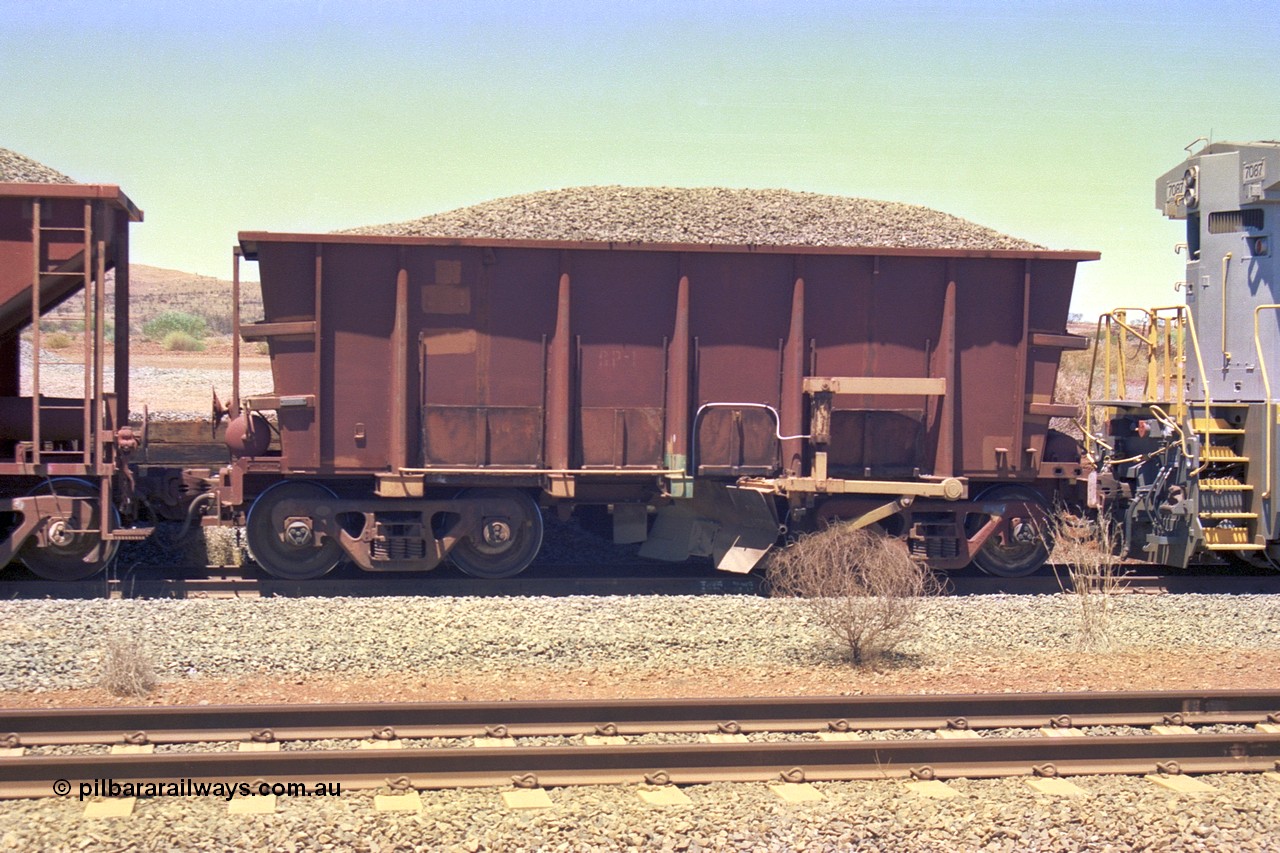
(990, 396)
(739, 309)
(624, 309)
(289, 295)
(360, 361)
(486, 317)
(879, 318)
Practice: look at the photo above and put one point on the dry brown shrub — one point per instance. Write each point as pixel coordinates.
(127, 668)
(57, 340)
(862, 587)
(1087, 552)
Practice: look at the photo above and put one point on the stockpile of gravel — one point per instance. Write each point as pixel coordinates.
(713, 215)
(18, 169)
(54, 643)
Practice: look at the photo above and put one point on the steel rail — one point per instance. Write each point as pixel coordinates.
(192, 723)
(679, 764)
(227, 582)
(192, 582)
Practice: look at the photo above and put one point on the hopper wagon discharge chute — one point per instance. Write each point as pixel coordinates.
(433, 395)
(1187, 454)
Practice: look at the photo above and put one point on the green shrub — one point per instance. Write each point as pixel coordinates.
(182, 342)
(56, 340)
(162, 325)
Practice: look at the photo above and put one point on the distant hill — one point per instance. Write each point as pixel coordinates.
(154, 291)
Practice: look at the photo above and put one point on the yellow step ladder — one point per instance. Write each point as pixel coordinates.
(1226, 499)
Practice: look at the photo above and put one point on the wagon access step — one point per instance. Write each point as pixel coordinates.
(1227, 512)
(130, 534)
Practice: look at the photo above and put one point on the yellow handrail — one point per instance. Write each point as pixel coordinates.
(1166, 358)
(1172, 372)
(1226, 354)
(1204, 380)
(1266, 387)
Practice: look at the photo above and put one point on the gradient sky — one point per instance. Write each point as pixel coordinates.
(1046, 120)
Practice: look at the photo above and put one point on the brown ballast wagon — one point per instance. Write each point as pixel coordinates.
(433, 396)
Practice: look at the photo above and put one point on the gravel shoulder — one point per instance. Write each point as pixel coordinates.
(172, 385)
(391, 649)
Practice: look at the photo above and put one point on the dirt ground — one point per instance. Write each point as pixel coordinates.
(216, 355)
(1035, 672)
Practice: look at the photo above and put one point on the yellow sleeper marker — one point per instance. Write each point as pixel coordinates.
(1049, 731)
(527, 798)
(1181, 784)
(838, 736)
(1272, 777)
(407, 802)
(1173, 730)
(255, 746)
(381, 744)
(489, 742)
(1057, 787)
(132, 748)
(1269, 728)
(796, 792)
(934, 789)
(957, 734)
(118, 807)
(253, 804)
(13, 751)
(724, 738)
(665, 795)
(604, 740)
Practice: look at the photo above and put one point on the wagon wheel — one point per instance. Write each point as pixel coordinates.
(74, 551)
(1027, 548)
(289, 554)
(505, 545)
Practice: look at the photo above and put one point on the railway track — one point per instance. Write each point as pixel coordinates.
(556, 581)
(826, 743)
(248, 582)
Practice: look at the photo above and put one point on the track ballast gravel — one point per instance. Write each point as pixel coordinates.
(1117, 814)
(52, 644)
(705, 215)
(48, 644)
(20, 169)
